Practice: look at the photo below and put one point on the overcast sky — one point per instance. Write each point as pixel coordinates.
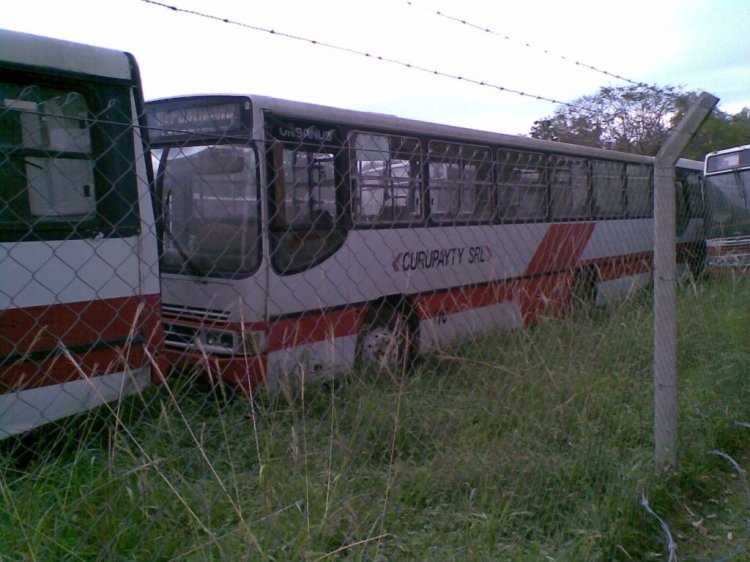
(696, 44)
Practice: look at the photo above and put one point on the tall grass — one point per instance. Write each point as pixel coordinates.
(523, 445)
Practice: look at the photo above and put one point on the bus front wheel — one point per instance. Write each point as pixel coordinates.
(385, 341)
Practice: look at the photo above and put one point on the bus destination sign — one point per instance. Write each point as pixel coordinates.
(169, 121)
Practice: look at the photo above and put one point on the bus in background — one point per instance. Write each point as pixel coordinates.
(79, 289)
(727, 193)
(307, 239)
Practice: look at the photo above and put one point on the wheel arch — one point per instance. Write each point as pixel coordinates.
(584, 288)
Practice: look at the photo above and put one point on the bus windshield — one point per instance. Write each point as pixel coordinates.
(209, 198)
(728, 203)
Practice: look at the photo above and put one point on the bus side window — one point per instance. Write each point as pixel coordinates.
(638, 190)
(569, 186)
(694, 194)
(522, 185)
(386, 179)
(303, 206)
(66, 160)
(681, 211)
(687, 192)
(460, 182)
(608, 189)
(45, 139)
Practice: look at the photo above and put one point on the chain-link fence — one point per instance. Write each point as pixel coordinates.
(387, 340)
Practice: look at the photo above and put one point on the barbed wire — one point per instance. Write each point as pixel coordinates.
(528, 45)
(742, 542)
(366, 54)
(668, 540)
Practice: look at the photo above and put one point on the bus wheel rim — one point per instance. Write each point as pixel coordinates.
(380, 348)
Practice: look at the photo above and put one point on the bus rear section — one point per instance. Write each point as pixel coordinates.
(727, 192)
(79, 289)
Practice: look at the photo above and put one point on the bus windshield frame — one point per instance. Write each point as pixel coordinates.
(210, 208)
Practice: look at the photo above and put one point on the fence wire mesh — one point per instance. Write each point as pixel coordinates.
(380, 340)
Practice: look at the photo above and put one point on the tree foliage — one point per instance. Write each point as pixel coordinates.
(637, 119)
(720, 130)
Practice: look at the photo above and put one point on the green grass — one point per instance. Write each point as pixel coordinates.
(524, 445)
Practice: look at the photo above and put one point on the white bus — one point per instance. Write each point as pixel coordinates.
(301, 238)
(727, 188)
(80, 316)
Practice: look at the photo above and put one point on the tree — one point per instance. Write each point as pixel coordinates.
(720, 130)
(637, 119)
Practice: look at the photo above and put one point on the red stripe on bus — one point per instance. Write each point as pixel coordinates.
(613, 268)
(59, 368)
(241, 372)
(561, 247)
(466, 298)
(31, 341)
(26, 330)
(313, 328)
(546, 295)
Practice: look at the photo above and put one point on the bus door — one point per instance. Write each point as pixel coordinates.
(306, 229)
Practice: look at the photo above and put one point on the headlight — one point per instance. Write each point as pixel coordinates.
(214, 340)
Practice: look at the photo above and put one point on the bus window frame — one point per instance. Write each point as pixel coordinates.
(577, 167)
(489, 185)
(649, 191)
(161, 210)
(416, 182)
(599, 212)
(338, 226)
(115, 187)
(537, 163)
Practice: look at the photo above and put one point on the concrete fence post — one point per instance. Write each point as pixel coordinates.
(665, 278)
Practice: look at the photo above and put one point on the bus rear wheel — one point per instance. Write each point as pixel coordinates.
(583, 290)
(385, 342)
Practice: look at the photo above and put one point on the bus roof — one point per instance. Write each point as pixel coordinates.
(387, 122)
(33, 50)
(729, 150)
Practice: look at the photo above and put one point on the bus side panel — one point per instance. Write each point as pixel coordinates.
(462, 280)
(26, 409)
(37, 273)
(75, 329)
(63, 359)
